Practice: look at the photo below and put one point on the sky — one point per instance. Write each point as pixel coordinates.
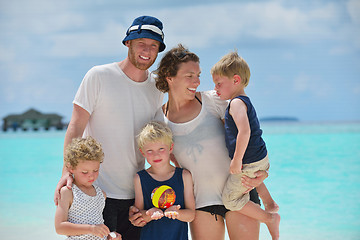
(304, 56)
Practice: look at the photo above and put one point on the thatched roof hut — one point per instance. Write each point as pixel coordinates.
(32, 119)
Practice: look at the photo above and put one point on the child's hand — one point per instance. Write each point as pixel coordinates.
(235, 167)
(114, 236)
(172, 212)
(100, 230)
(155, 213)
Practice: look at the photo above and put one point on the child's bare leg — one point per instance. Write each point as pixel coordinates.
(269, 203)
(272, 220)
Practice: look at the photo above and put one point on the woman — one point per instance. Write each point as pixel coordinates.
(199, 146)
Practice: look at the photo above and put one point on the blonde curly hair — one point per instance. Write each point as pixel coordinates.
(81, 149)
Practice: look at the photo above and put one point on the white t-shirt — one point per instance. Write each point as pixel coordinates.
(118, 108)
(199, 146)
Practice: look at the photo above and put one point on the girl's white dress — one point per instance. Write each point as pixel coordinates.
(86, 209)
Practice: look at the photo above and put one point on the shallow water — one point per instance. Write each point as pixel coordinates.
(314, 177)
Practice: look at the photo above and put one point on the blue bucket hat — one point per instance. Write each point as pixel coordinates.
(146, 27)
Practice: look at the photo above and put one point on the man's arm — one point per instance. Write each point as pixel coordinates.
(79, 119)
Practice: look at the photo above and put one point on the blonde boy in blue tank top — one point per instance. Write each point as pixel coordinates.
(243, 139)
(156, 144)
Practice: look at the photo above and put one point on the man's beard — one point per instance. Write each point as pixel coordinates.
(141, 66)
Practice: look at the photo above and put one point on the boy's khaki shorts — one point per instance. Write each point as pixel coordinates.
(233, 196)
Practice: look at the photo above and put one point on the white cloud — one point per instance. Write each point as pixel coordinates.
(353, 7)
(354, 10)
(15, 73)
(71, 33)
(302, 83)
(50, 90)
(275, 21)
(231, 22)
(104, 42)
(347, 33)
(37, 17)
(312, 85)
(41, 40)
(340, 50)
(289, 55)
(6, 54)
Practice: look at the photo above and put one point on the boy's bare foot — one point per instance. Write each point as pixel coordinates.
(271, 207)
(274, 226)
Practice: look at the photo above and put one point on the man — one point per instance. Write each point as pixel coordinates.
(113, 103)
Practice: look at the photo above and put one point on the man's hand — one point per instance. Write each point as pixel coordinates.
(135, 217)
(65, 180)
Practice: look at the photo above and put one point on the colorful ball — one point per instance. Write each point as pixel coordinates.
(163, 197)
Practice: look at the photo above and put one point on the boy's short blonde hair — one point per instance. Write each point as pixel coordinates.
(154, 131)
(83, 149)
(232, 64)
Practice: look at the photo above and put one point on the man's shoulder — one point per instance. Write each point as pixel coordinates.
(104, 67)
(152, 77)
(104, 71)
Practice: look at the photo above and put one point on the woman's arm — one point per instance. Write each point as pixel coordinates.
(174, 161)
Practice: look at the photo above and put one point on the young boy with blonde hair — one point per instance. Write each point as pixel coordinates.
(168, 221)
(79, 214)
(243, 139)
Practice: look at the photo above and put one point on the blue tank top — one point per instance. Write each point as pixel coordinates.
(163, 228)
(256, 149)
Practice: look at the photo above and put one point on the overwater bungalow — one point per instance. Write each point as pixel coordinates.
(32, 119)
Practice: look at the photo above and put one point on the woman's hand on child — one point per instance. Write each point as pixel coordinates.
(172, 212)
(155, 213)
(100, 230)
(251, 183)
(235, 167)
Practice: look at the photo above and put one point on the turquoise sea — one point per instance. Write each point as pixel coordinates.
(314, 177)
